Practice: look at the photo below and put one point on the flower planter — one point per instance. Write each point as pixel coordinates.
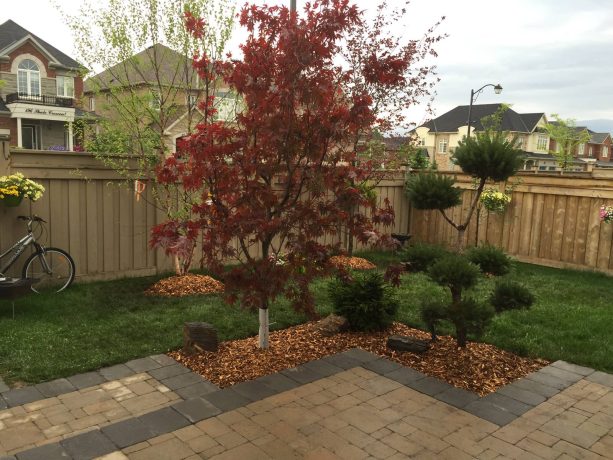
(11, 201)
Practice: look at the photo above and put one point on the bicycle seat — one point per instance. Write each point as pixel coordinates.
(23, 218)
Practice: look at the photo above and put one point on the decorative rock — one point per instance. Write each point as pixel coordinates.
(404, 343)
(199, 337)
(333, 324)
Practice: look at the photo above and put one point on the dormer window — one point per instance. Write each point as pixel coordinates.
(28, 78)
(65, 86)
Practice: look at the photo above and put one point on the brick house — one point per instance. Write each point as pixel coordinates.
(40, 94)
(597, 151)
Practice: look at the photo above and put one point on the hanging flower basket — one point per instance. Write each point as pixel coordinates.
(11, 201)
(494, 200)
(14, 188)
(606, 214)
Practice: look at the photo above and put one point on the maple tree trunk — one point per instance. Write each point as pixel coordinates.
(263, 332)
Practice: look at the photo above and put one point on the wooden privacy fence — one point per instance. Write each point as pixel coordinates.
(551, 220)
(96, 218)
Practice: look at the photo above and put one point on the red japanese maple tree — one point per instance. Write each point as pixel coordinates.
(277, 182)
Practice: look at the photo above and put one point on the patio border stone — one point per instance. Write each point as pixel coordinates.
(500, 407)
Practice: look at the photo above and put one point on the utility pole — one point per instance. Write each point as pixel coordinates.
(292, 6)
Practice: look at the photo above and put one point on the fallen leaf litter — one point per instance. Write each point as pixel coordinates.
(480, 368)
(184, 285)
(355, 263)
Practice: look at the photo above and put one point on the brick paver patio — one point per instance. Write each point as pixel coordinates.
(349, 406)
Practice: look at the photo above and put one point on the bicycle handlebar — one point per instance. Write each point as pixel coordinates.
(32, 218)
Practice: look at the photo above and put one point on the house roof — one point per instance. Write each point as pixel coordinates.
(11, 33)
(598, 138)
(450, 122)
(145, 67)
(395, 142)
(531, 119)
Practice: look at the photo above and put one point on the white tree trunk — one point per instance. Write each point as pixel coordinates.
(263, 335)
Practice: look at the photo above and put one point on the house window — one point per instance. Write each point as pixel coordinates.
(28, 78)
(605, 151)
(65, 86)
(156, 100)
(590, 151)
(542, 168)
(442, 145)
(581, 149)
(520, 142)
(92, 103)
(422, 141)
(192, 100)
(541, 143)
(226, 106)
(108, 97)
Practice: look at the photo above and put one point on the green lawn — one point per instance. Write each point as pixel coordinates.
(97, 324)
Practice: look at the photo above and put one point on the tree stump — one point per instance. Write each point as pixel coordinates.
(198, 337)
(404, 343)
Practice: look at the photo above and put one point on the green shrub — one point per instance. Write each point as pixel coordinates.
(367, 301)
(433, 191)
(432, 312)
(455, 272)
(510, 295)
(490, 259)
(421, 256)
(470, 316)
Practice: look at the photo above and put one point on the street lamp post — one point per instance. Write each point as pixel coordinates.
(292, 5)
(473, 96)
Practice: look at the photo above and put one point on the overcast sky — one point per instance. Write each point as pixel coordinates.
(551, 56)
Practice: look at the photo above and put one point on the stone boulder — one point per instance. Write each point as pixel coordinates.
(404, 343)
(332, 324)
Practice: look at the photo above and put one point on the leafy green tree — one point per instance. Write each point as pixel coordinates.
(568, 137)
(140, 55)
(487, 156)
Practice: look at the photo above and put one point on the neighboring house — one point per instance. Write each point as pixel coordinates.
(597, 151)
(167, 87)
(440, 136)
(40, 98)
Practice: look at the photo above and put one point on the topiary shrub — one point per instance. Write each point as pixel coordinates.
(366, 300)
(456, 273)
(433, 191)
(510, 295)
(432, 312)
(421, 256)
(490, 259)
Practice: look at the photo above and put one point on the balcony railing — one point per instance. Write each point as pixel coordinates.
(40, 99)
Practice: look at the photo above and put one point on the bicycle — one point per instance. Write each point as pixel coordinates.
(52, 268)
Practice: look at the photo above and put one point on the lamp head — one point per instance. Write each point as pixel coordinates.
(498, 89)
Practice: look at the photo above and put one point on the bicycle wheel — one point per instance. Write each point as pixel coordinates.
(62, 270)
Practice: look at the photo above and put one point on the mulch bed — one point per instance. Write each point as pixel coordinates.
(480, 368)
(354, 263)
(190, 284)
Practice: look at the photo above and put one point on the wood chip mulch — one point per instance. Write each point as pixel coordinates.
(190, 284)
(354, 263)
(480, 368)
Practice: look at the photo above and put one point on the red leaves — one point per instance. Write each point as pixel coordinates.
(276, 185)
(194, 25)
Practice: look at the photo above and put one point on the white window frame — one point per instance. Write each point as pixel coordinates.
(92, 103)
(443, 145)
(541, 142)
(192, 100)
(590, 151)
(581, 150)
(65, 86)
(156, 100)
(605, 151)
(31, 75)
(520, 142)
